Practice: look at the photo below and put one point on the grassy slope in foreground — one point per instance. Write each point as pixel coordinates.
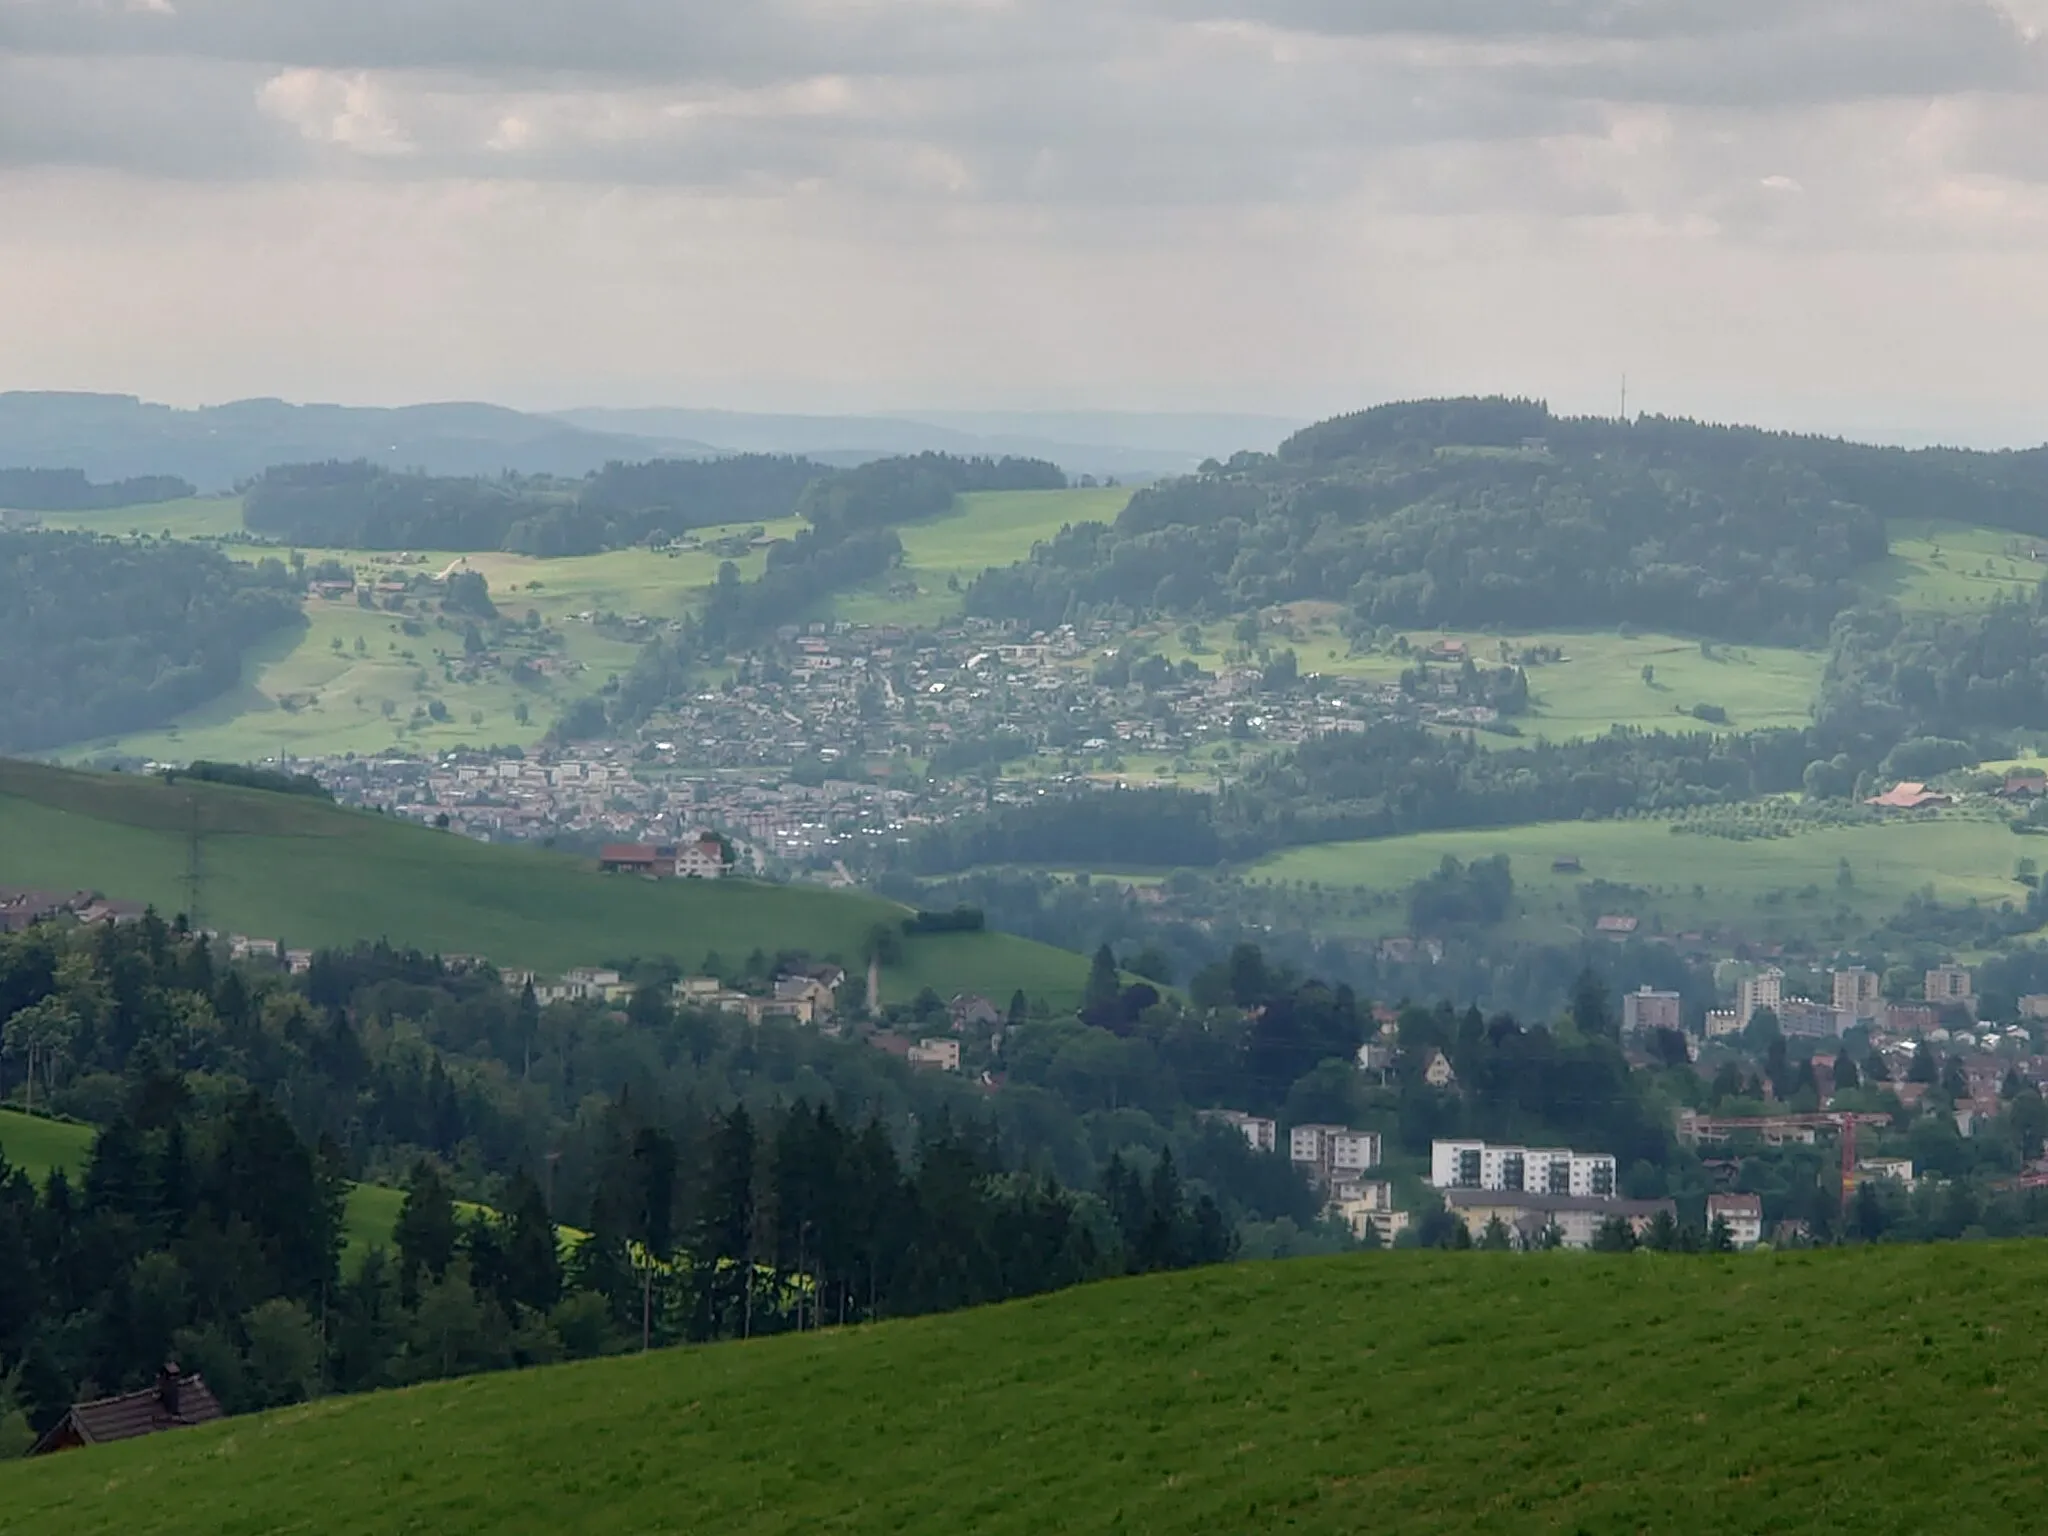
(41, 1146)
(1875, 1390)
(313, 874)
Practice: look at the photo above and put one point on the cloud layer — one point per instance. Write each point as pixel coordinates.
(1344, 154)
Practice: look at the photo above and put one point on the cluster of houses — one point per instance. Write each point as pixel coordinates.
(22, 907)
(802, 997)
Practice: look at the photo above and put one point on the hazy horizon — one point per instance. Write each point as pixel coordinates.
(1814, 214)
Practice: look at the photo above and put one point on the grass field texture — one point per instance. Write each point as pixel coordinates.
(323, 690)
(312, 874)
(1881, 1390)
(988, 529)
(41, 1146)
(1686, 881)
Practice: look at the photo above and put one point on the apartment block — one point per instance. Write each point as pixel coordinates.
(1327, 1152)
(1766, 989)
(1950, 985)
(1535, 1170)
(1644, 1010)
(1856, 992)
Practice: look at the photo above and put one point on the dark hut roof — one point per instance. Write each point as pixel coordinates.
(132, 1414)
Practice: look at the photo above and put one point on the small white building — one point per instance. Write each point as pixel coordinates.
(1744, 1215)
(941, 1053)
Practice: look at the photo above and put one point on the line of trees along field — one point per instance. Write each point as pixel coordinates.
(68, 490)
(1496, 512)
(106, 637)
(364, 506)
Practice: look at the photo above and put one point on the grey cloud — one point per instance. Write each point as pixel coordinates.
(748, 41)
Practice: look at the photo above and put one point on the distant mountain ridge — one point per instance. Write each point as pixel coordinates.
(114, 437)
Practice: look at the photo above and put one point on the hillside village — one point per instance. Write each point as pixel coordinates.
(961, 717)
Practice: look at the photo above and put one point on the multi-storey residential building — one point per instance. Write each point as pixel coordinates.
(1856, 992)
(1644, 1010)
(1326, 1152)
(1950, 985)
(1577, 1219)
(1766, 989)
(1536, 1170)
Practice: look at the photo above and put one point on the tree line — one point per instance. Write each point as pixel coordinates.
(107, 637)
(68, 490)
(360, 505)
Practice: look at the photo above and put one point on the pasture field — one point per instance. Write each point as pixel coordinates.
(1943, 567)
(200, 517)
(313, 874)
(42, 1146)
(1775, 886)
(1798, 1392)
(1598, 685)
(986, 529)
(354, 681)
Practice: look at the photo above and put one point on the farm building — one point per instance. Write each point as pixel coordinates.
(1910, 797)
(177, 1401)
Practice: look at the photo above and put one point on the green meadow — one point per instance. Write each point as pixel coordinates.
(1764, 886)
(1943, 567)
(1891, 1390)
(201, 517)
(942, 557)
(354, 681)
(311, 874)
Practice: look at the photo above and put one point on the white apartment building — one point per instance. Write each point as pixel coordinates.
(1766, 989)
(1534, 1170)
(1325, 1152)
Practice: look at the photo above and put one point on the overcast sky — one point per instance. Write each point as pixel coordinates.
(1810, 212)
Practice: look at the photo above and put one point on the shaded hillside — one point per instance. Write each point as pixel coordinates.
(1414, 1392)
(313, 874)
(100, 638)
(1495, 512)
(116, 436)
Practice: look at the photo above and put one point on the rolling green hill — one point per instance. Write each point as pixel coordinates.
(313, 874)
(1876, 1390)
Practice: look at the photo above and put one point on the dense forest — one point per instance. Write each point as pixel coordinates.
(1496, 512)
(363, 506)
(107, 637)
(68, 490)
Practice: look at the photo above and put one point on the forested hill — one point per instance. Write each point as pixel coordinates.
(1497, 512)
(105, 637)
(363, 506)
